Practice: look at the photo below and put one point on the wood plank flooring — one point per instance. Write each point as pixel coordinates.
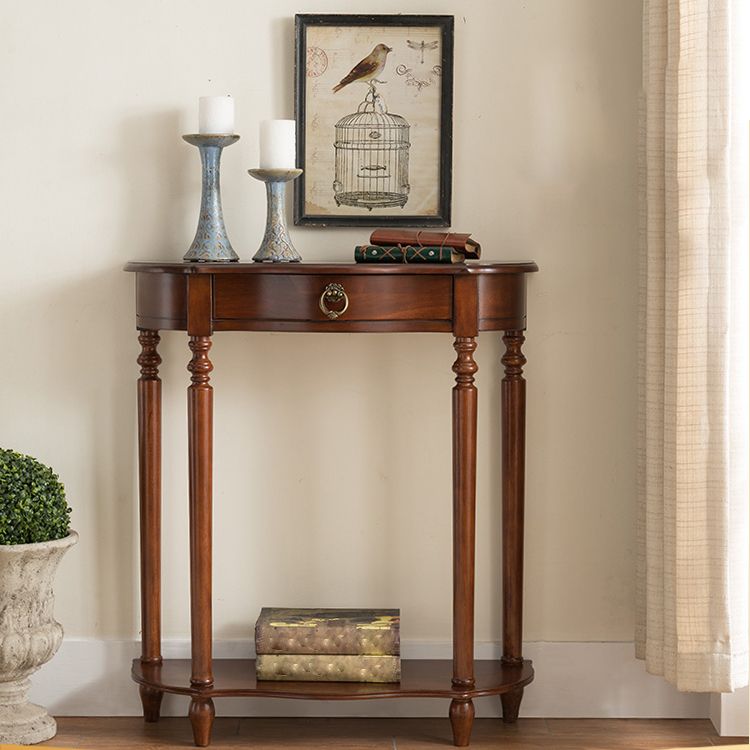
(393, 734)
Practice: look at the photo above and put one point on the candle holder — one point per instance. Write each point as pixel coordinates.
(211, 242)
(276, 246)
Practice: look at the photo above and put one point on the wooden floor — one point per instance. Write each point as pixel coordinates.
(393, 734)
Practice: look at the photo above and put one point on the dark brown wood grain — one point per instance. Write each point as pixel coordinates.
(464, 411)
(161, 301)
(149, 485)
(204, 298)
(513, 417)
(420, 678)
(151, 701)
(199, 306)
(277, 297)
(502, 302)
(354, 269)
(511, 703)
(201, 715)
(341, 325)
(200, 456)
(464, 502)
(461, 714)
(297, 297)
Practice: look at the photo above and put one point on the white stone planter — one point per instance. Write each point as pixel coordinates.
(29, 634)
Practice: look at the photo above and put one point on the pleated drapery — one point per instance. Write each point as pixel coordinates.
(692, 575)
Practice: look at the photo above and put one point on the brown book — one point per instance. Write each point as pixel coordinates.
(373, 632)
(328, 668)
(421, 238)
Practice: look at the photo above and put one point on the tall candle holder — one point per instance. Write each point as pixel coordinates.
(276, 245)
(211, 242)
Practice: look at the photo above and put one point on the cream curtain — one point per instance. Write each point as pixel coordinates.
(692, 574)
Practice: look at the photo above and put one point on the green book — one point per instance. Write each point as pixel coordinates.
(372, 632)
(406, 254)
(327, 668)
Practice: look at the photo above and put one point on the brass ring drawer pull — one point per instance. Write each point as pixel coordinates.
(333, 294)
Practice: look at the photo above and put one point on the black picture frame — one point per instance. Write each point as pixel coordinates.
(395, 216)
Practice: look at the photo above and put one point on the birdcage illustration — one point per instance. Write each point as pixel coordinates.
(371, 157)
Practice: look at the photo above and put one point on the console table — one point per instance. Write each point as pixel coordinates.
(203, 298)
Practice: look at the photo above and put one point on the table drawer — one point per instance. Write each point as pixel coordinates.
(298, 297)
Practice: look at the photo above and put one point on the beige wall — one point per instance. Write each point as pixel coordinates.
(332, 452)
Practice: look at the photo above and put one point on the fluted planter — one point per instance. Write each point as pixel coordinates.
(29, 634)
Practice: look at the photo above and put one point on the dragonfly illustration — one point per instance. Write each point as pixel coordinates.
(422, 46)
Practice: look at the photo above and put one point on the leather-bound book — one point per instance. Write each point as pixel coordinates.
(328, 668)
(357, 632)
(459, 241)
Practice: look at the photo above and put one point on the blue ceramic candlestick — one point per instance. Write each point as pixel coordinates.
(276, 245)
(211, 242)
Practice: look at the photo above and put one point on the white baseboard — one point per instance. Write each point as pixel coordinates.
(730, 713)
(573, 680)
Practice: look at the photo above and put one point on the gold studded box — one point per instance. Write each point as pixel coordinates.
(328, 668)
(355, 632)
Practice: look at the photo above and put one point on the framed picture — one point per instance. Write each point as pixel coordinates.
(374, 107)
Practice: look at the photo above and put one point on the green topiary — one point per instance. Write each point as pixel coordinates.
(32, 501)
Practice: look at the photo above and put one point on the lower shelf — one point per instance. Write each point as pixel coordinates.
(419, 679)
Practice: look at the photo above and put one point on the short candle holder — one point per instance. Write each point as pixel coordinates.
(276, 246)
(211, 242)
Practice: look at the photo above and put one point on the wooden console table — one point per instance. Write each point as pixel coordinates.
(202, 298)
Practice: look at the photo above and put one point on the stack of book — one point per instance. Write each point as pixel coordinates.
(417, 246)
(328, 645)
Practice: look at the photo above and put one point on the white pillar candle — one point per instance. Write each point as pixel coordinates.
(277, 144)
(216, 115)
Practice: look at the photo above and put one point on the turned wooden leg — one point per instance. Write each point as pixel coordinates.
(464, 502)
(462, 717)
(513, 467)
(200, 450)
(149, 490)
(151, 702)
(201, 715)
(511, 703)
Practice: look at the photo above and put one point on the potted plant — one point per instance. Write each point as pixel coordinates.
(34, 535)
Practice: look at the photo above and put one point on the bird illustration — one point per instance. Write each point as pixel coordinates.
(367, 69)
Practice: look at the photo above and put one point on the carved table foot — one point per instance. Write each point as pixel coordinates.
(151, 702)
(201, 718)
(462, 717)
(511, 704)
